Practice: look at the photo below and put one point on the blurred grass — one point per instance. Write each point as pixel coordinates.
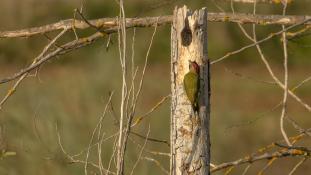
(72, 90)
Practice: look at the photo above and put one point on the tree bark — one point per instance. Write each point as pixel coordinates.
(190, 143)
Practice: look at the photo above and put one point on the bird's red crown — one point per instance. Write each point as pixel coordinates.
(195, 66)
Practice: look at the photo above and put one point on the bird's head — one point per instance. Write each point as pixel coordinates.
(194, 67)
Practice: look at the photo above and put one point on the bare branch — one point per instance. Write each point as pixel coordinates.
(258, 1)
(300, 148)
(105, 23)
(260, 41)
(298, 127)
(246, 169)
(72, 158)
(301, 83)
(134, 124)
(46, 48)
(249, 77)
(112, 155)
(285, 94)
(97, 128)
(276, 154)
(121, 146)
(141, 151)
(150, 151)
(228, 171)
(256, 44)
(141, 82)
(139, 119)
(70, 46)
(263, 154)
(298, 165)
(151, 139)
(102, 24)
(269, 163)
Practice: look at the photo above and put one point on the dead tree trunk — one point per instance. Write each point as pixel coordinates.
(190, 143)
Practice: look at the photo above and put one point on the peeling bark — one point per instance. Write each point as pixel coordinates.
(190, 144)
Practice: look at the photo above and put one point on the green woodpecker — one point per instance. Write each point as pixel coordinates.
(192, 84)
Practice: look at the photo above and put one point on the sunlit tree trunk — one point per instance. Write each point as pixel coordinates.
(190, 143)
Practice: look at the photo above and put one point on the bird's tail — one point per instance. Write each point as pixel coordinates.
(195, 108)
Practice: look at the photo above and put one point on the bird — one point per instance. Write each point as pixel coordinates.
(192, 84)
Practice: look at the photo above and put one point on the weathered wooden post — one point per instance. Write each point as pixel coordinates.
(190, 143)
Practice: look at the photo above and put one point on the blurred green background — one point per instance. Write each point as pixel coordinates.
(71, 91)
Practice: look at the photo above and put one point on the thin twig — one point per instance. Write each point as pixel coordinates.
(239, 24)
(141, 151)
(157, 105)
(284, 102)
(263, 58)
(249, 77)
(144, 69)
(87, 21)
(112, 155)
(59, 51)
(72, 158)
(23, 76)
(263, 114)
(74, 24)
(261, 172)
(298, 165)
(298, 127)
(151, 139)
(133, 71)
(259, 41)
(303, 150)
(157, 163)
(150, 151)
(134, 124)
(246, 169)
(93, 134)
(122, 55)
(229, 170)
(301, 83)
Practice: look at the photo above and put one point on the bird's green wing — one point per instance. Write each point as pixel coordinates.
(191, 86)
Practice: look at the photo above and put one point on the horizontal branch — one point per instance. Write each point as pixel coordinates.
(259, 1)
(243, 18)
(104, 23)
(265, 156)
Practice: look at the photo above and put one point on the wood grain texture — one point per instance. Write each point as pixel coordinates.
(190, 145)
